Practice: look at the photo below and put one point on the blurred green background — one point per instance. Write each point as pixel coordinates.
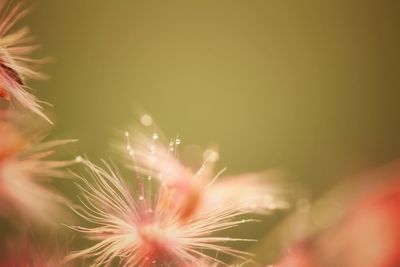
(311, 87)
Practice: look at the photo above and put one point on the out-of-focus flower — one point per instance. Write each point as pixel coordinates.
(143, 227)
(23, 166)
(368, 235)
(15, 63)
(202, 189)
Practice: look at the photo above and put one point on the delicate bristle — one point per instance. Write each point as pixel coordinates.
(146, 228)
(15, 63)
(23, 167)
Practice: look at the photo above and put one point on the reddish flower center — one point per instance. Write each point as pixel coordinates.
(154, 235)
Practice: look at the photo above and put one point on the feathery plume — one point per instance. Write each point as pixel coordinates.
(23, 166)
(201, 189)
(143, 227)
(15, 64)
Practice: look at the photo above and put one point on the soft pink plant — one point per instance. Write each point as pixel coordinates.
(143, 227)
(23, 168)
(202, 189)
(15, 63)
(367, 234)
(170, 220)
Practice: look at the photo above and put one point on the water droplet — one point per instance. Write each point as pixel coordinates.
(78, 159)
(126, 133)
(200, 171)
(211, 155)
(178, 141)
(141, 197)
(146, 120)
(155, 136)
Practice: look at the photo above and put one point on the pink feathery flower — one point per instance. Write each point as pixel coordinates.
(143, 226)
(201, 189)
(23, 166)
(15, 63)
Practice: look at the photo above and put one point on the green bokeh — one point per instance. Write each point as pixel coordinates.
(311, 87)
